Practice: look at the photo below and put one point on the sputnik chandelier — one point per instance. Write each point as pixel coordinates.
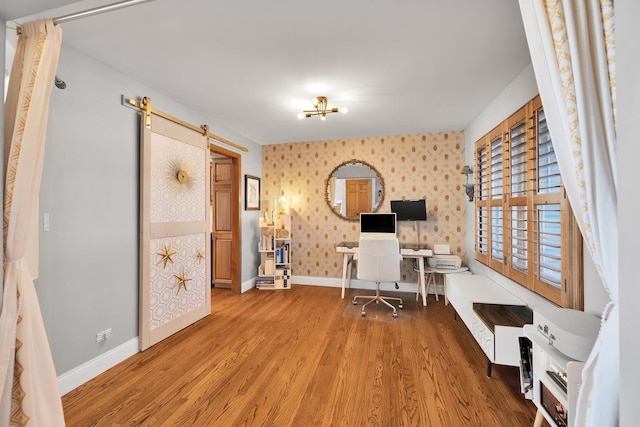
(320, 105)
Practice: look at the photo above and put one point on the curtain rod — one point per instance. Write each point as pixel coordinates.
(97, 10)
(91, 12)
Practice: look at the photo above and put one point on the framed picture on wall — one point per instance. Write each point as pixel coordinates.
(251, 193)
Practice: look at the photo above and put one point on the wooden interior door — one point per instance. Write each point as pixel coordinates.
(222, 223)
(358, 196)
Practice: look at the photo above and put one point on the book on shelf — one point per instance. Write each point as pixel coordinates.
(267, 243)
(282, 255)
(268, 266)
(265, 285)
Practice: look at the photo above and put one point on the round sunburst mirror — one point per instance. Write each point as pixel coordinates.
(354, 176)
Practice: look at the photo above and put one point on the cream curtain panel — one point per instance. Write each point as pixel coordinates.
(28, 384)
(572, 50)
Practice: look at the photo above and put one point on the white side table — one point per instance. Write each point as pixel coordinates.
(430, 273)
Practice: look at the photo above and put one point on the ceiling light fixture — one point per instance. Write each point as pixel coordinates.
(320, 105)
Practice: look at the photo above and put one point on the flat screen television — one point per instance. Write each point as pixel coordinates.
(378, 223)
(410, 210)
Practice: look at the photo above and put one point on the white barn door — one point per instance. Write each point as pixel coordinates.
(175, 240)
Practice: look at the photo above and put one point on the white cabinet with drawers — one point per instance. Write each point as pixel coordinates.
(494, 316)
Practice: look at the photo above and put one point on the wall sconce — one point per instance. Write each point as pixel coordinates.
(468, 186)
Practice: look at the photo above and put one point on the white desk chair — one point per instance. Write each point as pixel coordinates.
(379, 261)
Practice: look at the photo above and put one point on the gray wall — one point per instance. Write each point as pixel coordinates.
(89, 258)
(628, 89)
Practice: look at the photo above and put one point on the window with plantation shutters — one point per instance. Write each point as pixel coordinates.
(497, 236)
(482, 175)
(548, 178)
(518, 158)
(496, 167)
(548, 244)
(524, 225)
(548, 207)
(519, 239)
(517, 224)
(483, 230)
(482, 197)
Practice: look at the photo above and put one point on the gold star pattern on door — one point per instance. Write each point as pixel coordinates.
(182, 281)
(165, 255)
(199, 255)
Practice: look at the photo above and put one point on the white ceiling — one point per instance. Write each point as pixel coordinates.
(401, 67)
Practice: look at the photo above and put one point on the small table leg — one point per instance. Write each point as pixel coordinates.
(421, 280)
(346, 267)
(489, 365)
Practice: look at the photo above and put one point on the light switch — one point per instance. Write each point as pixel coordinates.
(45, 222)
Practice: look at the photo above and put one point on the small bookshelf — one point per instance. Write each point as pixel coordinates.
(274, 247)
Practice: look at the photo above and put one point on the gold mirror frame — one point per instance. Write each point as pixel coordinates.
(381, 191)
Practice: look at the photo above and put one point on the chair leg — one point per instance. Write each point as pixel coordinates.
(388, 304)
(377, 298)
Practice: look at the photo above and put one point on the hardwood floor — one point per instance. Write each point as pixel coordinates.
(305, 357)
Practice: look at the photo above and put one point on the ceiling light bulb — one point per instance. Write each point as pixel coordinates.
(344, 110)
(323, 117)
(300, 116)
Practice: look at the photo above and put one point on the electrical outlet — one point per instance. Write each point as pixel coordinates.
(104, 335)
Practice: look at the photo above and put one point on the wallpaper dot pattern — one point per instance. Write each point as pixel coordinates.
(412, 166)
(167, 300)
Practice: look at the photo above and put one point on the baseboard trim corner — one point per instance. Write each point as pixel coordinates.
(94, 367)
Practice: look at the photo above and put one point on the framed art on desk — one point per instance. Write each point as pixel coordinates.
(251, 193)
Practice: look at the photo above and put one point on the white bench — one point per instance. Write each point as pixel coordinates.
(497, 320)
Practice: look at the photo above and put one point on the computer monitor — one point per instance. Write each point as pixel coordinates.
(377, 224)
(410, 210)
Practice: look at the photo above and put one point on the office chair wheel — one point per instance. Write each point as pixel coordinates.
(394, 314)
(354, 302)
(363, 314)
(400, 306)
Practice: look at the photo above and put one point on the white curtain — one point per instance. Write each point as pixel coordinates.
(571, 43)
(29, 394)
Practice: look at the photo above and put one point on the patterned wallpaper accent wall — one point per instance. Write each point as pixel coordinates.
(412, 166)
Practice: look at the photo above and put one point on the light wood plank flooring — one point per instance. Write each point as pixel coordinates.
(304, 357)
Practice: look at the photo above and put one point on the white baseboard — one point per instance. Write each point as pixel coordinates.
(251, 283)
(94, 367)
(330, 282)
(410, 287)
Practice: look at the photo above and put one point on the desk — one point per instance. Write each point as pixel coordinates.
(419, 252)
